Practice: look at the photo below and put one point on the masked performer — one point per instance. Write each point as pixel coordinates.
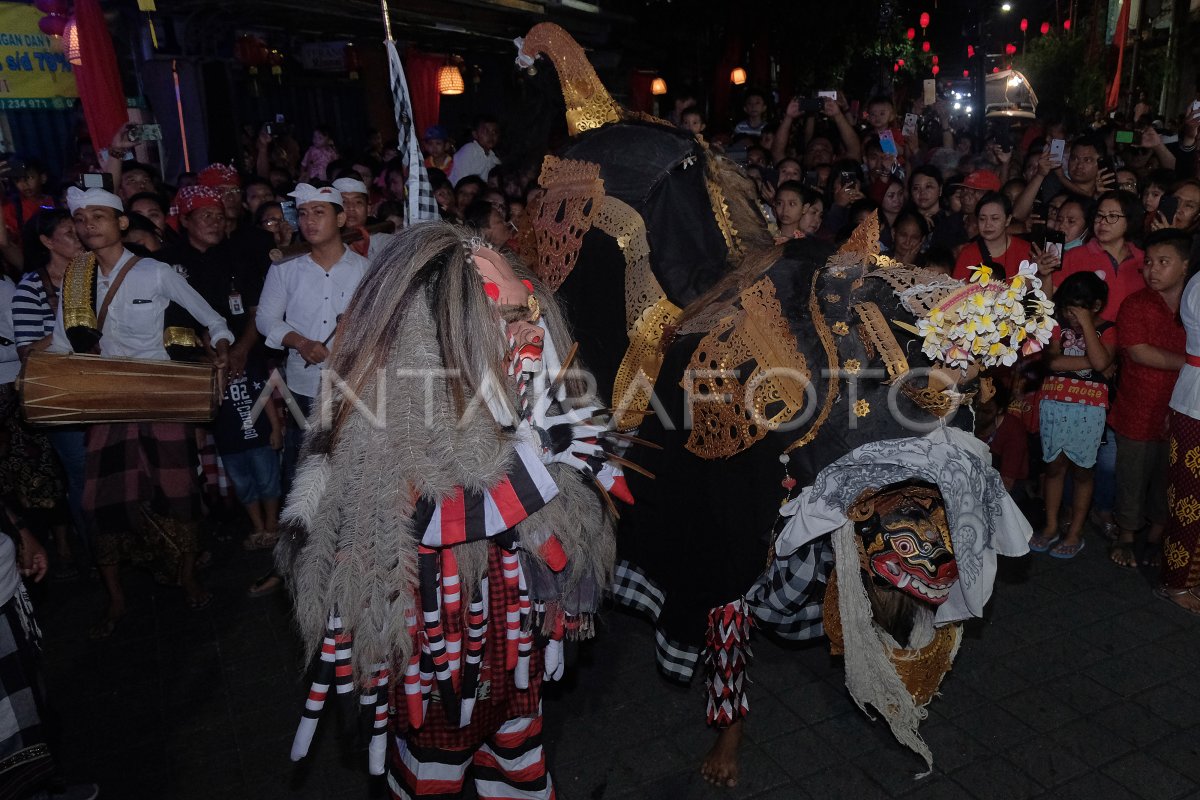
(448, 528)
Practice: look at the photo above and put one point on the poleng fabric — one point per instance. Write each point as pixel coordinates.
(25, 761)
(1181, 539)
(509, 765)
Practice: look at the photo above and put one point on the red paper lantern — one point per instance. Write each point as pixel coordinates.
(924, 19)
(1066, 24)
(900, 61)
(1045, 28)
(995, 70)
(924, 47)
(970, 51)
(1024, 25)
(52, 25)
(935, 59)
(910, 34)
(1010, 49)
(966, 73)
(936, 69)
(896, 67)
(251, 52)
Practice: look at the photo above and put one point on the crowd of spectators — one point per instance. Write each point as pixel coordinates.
(1112, 222)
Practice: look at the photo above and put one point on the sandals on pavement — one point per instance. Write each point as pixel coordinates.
(1170, 594)
(1065, 551)
(1041, 543)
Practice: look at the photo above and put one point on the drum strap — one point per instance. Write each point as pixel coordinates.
(50, 289)
(112, 292)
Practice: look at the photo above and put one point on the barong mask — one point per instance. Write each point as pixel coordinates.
(905, 541)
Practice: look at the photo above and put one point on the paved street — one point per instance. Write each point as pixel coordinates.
(1079, 684)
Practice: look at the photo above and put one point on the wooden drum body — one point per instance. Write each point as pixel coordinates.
(68, 389)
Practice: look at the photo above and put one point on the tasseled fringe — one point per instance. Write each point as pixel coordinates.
(477, 614)
(726, 657)
(431, 610)
(332, 668)
(549, 623)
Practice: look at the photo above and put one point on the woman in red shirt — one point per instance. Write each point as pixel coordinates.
(995, 246)
(1110, 252)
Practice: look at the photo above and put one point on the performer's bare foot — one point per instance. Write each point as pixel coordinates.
(720, 766)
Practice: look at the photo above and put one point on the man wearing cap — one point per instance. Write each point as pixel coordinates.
(477, 157)
(139, 477)
(224, 277)
(303, 298)
(437, 149)
(355, 199)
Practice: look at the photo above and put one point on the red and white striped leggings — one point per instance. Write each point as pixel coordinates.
(510, 765)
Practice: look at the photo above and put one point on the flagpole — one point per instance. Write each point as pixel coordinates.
(387, 20)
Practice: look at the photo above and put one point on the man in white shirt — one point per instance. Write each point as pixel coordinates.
(355, 202)
(477, 157)
(139, 477)
(303, 298)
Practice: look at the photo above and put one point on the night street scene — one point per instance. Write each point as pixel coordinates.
(599, 399)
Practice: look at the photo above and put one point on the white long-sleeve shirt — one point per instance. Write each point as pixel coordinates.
(303, 297)
(471, 160)
(134, 325)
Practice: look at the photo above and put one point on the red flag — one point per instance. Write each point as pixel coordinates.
(98, 78)
(1119, 36)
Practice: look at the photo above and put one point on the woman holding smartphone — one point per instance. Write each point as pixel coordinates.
(994, 247)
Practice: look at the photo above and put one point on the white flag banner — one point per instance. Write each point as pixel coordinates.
(420, 205)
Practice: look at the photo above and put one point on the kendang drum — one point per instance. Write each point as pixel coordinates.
(68, 389)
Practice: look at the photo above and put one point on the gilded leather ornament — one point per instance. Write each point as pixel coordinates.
(921, 669)
(648, 313)
(877, 330)
(777, 384)
(589, 105)
(572, 196)
(78, 292)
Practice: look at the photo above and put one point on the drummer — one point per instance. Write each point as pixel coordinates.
(356, 202)
(140, 492)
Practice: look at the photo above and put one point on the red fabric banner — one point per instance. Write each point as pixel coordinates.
(1120, 35)
(421, 69)
(98, 78)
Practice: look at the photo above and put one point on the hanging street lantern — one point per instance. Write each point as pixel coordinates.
(658, 86)
(450, 80)
(737, 76)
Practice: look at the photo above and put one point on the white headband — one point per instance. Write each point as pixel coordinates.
(307, 193)
(77, 198)
(350, 186)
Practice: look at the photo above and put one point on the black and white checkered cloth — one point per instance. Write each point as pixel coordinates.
(632, 589)
(787, 598)
(421, 206)
(24, 757)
